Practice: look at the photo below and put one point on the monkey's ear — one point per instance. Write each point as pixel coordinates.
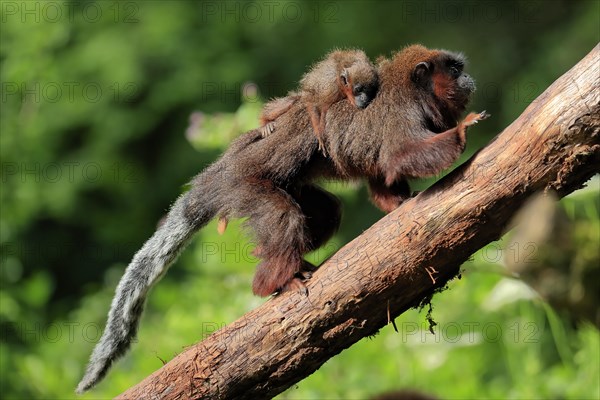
(422, 72)
(344, 77)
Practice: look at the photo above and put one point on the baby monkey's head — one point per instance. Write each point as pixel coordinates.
(341, 74)
(360, 82)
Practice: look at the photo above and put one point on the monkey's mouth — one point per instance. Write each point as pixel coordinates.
(466, 83)
(465, 86)
(362, 101)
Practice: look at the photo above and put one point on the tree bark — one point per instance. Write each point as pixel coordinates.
(401, 260)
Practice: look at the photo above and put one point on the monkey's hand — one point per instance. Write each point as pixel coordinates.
(470, 120)
(267, 129)
(474, 118)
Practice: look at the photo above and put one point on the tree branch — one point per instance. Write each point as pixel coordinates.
(402, 259)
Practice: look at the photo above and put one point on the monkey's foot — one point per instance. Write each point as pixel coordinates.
(267, 129)
(295, 284)
(277, 274)
(306, 272)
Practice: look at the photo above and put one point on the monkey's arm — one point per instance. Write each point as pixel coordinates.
(388, 198)
(432, 155)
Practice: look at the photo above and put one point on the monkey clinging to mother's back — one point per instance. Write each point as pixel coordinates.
(341, 74)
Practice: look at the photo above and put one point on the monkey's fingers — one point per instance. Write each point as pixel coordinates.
(480, 117)
(267, 129)
(322, 148)
(484, 115)
(474, 118)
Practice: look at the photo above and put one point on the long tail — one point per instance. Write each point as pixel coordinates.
(148, 265)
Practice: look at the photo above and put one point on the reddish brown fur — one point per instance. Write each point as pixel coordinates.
(409, 130)
(347, 90)
(441, 84)
(388, 197)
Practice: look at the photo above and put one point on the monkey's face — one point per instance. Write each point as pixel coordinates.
(443, 79)
(360, 84)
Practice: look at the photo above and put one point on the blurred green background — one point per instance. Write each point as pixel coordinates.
(96, 143)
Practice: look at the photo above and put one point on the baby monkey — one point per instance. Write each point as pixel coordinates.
(341, 74)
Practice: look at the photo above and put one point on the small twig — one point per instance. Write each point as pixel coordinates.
(390, 319)
(432, 271)
(164, 362)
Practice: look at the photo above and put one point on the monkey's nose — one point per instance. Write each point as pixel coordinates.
(467, 83)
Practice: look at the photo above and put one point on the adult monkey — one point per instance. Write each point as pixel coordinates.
(409, 130)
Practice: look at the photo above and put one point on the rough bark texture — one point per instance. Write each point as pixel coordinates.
(402, 259)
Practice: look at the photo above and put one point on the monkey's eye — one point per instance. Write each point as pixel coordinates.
(357, 89)
(455, 68)
(344, 77)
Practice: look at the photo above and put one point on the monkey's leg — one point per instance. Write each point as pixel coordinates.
(433, 154)
(323, 215)
(317, 120)
(279, 227)
(388, 198)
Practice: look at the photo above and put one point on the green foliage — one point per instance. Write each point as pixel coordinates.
(96, 141)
